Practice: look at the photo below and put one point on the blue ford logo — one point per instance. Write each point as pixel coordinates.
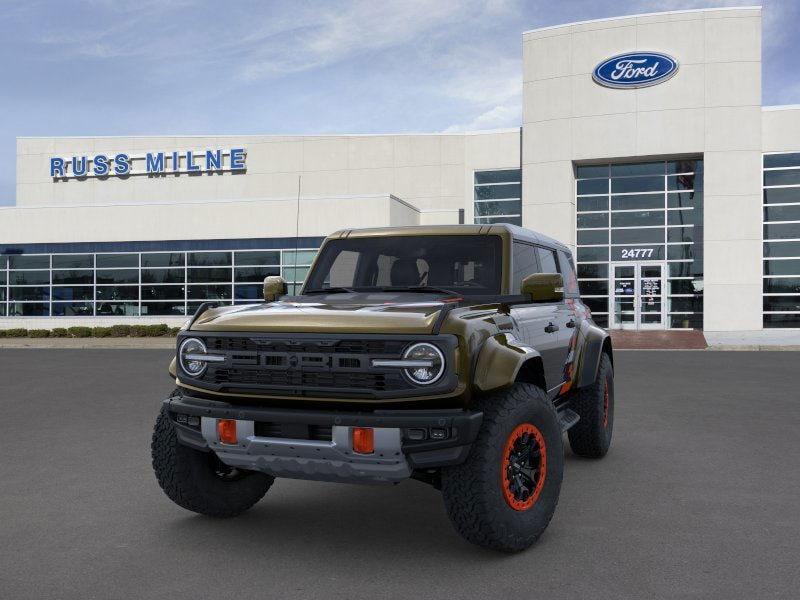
(635, 70)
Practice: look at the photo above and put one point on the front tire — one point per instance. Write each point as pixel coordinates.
(199, 481)
(591, 436)
(504, 495)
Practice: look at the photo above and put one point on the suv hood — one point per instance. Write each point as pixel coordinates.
(324, 317)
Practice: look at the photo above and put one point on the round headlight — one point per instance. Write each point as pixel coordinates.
(433, 359)
(194, 368)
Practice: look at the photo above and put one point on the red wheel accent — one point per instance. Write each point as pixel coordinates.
(605, 404)
(523, 467)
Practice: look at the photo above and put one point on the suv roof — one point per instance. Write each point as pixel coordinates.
(517, 233)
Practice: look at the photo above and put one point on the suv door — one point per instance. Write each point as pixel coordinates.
(540, 324)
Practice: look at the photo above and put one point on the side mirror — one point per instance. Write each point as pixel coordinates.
(543, 287)
(274, 286)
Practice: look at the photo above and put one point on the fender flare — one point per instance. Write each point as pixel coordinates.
(499, 362)
(596, 341)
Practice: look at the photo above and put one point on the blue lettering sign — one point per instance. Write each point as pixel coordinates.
(154, 163)
(190, 166)
(237, 159)
(79, 166)
(56, 167)
(176, 162)
(122, 166)
(100, 163)
(635, 70)
(213, 160)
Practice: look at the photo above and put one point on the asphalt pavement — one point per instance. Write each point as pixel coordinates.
(698, 498)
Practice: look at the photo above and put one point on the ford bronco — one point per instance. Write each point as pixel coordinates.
(453, 355)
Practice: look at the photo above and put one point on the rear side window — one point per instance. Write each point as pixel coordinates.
(568, 270)
(547, 260)
(524, 264)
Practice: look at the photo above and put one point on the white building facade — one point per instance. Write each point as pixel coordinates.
(644, 146)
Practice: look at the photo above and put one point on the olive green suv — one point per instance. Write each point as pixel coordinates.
(453, 355)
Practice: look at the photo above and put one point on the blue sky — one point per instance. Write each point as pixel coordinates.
(152, 67)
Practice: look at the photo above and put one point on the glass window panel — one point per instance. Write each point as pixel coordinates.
(781, 249)
(594, 288)
(679, 252)
(73, 277)
(680, 234)
(73, 309)
(163, 275)
(596, 304)
(782, 267)
(788, 177)
(789, 159)
(249, 292)
(593, 220)
(593, 236)
(24, 261)
(3, 309)
(548, 263)
(500, 176)
(163, 259)
(29, 277)
(684, 166)
(73, 261)
(684, 199)
(637, 219)
(683, 182)
(2, 294)
(776, 321)
(681, 269)
(118, 276)
(492, 192)
(525, 263)
(209, 292)
(73, 293)
(257, 257)
(117, 309)
(3, 262)
(304, 257)
(491, 220)
(296, 275)
(592, 271)
(500, 207)
(782, 303)
(592, 254)
(637, 236)
(586, 171)
(209, 259)
(782, 195)
(163, 308)
(637, 184)
(254, 274)
(637, 202)
(685, 286)
(782, 285)
(568, 271)
(162, 292)
(694, 304)
(209, 275)
(686, 321)
(782, 213)
(28, 309)
(597, 203)
(683, 217)
(2, 277)
(648, 168)
(782, 231)
(29, 293)
(118, 292)
(592, 186)
(115, 261)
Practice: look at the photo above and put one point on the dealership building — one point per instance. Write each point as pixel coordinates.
(644, 145)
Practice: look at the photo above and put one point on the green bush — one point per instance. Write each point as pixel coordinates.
(138, 331)
(16, 332)
(80, 332)
(38, 333)
(157, 330)
(59, 332)
(120, 330)
(101, 332)
(2, 333)
(173, 331)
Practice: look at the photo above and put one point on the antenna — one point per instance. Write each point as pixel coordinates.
(296, 235)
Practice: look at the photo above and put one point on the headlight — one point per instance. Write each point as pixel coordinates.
(431, 363)
(188, 347)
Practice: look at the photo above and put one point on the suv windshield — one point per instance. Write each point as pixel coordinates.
(466, 264)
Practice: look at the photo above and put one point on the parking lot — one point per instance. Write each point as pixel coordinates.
(698, 498)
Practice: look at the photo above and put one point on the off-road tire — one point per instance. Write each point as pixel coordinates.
(473, 491)
(591, 436)
(188, 476)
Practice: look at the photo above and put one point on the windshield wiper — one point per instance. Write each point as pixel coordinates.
(424, 289)
(330, 290)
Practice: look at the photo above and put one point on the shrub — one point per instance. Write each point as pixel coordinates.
(16, 332)
(157, 330)
(173, 331)
(101, 332)
(120, 330)
(59, 332)
(80, 332)
(38, 333)
(138, 330)
(2, 333)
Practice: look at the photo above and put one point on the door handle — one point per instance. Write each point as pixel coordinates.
(571, 323)
(551, 328)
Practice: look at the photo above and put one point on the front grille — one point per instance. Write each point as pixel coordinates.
(294, 431)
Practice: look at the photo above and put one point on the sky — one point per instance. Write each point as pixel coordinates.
(172, 67)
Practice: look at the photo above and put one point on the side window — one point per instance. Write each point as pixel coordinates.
(524, 264)
(547, 260)
(570, 281)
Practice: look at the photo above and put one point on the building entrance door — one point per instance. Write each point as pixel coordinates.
(637, 295)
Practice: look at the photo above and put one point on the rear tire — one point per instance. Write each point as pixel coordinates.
(490, 501)
(199, 481)
(591, 436)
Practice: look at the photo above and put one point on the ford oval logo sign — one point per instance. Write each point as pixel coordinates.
(635, 70)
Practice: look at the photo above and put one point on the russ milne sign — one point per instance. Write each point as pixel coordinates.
(635, 70)
(152, 163)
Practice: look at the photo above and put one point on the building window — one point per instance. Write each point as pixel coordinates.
(648, 213)
(781, 278)
(498, 196)
(130, 284)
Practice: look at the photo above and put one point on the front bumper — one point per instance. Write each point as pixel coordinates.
(280, 442)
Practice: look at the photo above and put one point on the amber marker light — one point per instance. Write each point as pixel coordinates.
(226, 431)
(363, 440)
